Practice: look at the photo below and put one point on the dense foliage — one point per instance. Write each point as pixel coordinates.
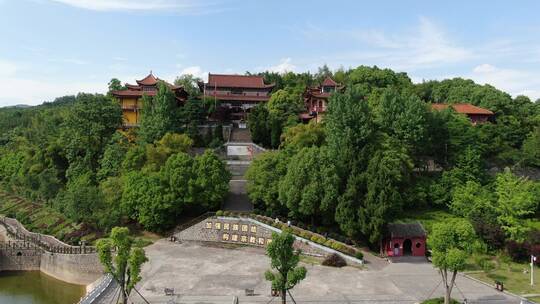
(72, 155)
(381, 149)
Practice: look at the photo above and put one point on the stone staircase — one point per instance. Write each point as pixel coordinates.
(240, 136)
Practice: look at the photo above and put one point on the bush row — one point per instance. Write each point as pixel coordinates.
(305, 234)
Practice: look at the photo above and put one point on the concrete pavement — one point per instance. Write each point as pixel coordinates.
(212, 274)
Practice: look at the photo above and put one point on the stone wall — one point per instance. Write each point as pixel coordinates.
(19, 256)
(79, 269)
(243, 231)
(73, 268)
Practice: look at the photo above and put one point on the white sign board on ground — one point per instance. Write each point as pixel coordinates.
(238, 150)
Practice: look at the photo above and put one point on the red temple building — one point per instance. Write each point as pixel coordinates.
(316, 99)
(237, 93)
(130, 98)
(404, 240)
(475, 114)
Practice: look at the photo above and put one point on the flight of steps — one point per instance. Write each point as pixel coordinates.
(240, 135)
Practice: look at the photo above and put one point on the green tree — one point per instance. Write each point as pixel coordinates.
(386, 176)
(531, 149)
(450, 243)
(350, 129)
(146, 198)
(158, 114)
(258, 125)
(515, 201)
(211, 179)
(86, 130)
(122, 260)
(310, 186)
(189, 83)
(113, 156)
(263, 176)
(115, 85)
(466, 198)
(285, 261)
(303, 136)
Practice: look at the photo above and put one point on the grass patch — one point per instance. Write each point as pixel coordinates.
(511, 274)
(310, 260)
(534, 299)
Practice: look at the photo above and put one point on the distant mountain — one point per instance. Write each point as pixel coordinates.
(19, 106)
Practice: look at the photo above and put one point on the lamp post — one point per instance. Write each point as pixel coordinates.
(533, 259)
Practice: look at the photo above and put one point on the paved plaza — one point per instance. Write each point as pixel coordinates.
(211, 274)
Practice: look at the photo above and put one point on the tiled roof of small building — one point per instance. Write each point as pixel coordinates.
(329, 82)
(462, 108)
(401, 230)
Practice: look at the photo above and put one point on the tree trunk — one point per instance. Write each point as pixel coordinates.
(283, 296)
(447, 296)
(124, 296)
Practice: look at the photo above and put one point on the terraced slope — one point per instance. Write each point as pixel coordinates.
(42, 219)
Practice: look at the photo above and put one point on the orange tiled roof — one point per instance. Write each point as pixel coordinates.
(237, 81)
(462, 108)
(329, 82)
(148, 80)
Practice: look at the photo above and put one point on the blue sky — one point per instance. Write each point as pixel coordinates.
(51, 48)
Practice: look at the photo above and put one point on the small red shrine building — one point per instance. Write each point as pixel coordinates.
(130, 97)
(404, 240)
(316, 99)
(474, 113)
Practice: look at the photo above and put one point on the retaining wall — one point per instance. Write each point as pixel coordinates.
(242, 231)
(79, 269)
(24, 250)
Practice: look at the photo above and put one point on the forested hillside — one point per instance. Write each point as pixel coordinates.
(381, 153)
(71, 155)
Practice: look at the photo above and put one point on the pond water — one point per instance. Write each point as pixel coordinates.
(35, 287)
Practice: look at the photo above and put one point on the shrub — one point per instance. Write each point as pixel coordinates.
(314, 238)
(334, 260)
(359, 255)
(328, 243)
(219, 213)
(517, 251)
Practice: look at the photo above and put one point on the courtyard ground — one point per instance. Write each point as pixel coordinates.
(213, 274)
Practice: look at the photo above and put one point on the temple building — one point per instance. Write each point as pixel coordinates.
(474, 113)
(236, 93)
(316, 99)
(130, 98)
(404, 239)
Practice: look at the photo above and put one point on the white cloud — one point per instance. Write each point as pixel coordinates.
(196, 71)
(32, 92)
(426, 46)
(283, 66)
(514, 81)
(187, 6)
(7, 68)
